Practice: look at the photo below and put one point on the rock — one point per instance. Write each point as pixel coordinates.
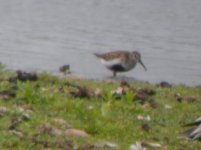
(48, 129)
(62, 123)
(55, 132)
(20, 109)
(141, 118)
(110, 145)
(168, 106)
(145, 127)
(144, 94)
(149, 92)
(119, 92)
(14, 123)
(124, 84)
(106, 145)
(82, 92)
(65, 145)
(178, 97)
(4, 109)
(90, 107)
(16, 133)
(24, 109)
(25, 117)
(137, 146)
(76, 133)
(7, 94)
(147, 106)
(153, 103)
(164, 84)
(24, 76)
(190, 99)
(87, 146)
(151, 145)
(59, 121)
(98, 93)
(4, 97)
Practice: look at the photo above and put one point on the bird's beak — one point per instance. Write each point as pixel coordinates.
(145, 68)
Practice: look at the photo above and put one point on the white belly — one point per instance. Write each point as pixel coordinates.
(118, 65)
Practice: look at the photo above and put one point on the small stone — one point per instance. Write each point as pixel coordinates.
(48, 129)
(5, 97)
(190, 99)
(147, 118)
(62, 123)
(165, 84)
(82, 92)
(55, 132)
(98, 93)
(137, 146)
(151, 145)
(145, 127)
(141, 118)
(25, 117)
(66, 145)
(24, 109)
(168, 107)
(153, 103)
(14, 123)
(124, 84)
(110, 145)
(106, 145)
(90, 107)
(20, 109)
(143, 95)
(178, 97)
(16, 133)
(24, 76)
(76, 133)
(4, 109)
(147, 106)
(59, 121)
(118, 93)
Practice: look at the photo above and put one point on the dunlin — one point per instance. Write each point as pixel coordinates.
(120, 61)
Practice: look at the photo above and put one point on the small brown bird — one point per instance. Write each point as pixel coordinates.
(65, 69)
(120, 61)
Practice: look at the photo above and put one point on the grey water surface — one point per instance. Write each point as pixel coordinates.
(42, 35)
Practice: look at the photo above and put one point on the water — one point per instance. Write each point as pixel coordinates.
(37, 35)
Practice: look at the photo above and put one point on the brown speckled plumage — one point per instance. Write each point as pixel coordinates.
(112, 55)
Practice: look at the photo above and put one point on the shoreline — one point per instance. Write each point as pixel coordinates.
(119, 77)
(46, 111)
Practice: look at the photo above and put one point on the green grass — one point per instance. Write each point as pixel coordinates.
(105, 118)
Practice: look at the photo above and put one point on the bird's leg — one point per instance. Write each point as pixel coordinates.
(114, 73)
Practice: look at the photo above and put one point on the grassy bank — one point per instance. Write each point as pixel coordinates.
(41, 114)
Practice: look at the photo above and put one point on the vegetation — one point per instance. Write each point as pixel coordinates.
(37, 114)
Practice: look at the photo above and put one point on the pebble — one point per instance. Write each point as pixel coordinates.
(16, 133)
(4, 109)
(137, 146)
(75, 133)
